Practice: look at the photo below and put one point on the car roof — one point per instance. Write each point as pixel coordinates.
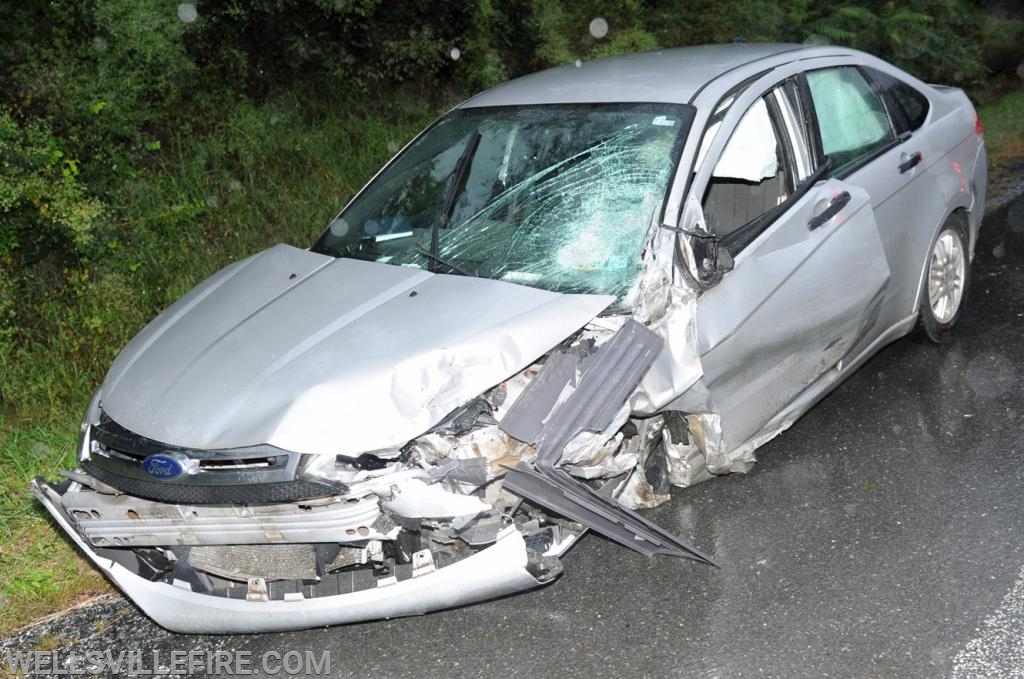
(669, 75)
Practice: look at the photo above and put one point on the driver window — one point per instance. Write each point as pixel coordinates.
(749, 178)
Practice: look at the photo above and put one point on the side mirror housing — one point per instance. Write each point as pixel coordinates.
(713, 259)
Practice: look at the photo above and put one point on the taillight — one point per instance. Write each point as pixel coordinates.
(978, 127)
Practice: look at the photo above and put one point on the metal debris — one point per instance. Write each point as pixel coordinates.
(607, 379)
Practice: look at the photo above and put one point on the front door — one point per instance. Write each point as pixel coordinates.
(809, 275)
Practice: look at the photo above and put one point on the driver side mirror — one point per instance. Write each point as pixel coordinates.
(713, 259)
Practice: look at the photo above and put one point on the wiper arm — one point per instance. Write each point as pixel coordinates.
(437, 259)
(455, 181)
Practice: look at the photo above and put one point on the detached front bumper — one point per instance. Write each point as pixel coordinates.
(497, 570)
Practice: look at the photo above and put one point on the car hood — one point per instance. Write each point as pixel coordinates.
(315, 354)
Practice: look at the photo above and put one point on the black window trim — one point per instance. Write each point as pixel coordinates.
(788, 153)
(811, 113)
(897, 116)
(887, 84)
(799, 108)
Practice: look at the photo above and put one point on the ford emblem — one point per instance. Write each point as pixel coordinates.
(166, 466)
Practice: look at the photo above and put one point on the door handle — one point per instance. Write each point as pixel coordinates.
(913, 161)
(837, 204)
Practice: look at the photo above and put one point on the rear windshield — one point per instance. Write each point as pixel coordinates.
(557, 197)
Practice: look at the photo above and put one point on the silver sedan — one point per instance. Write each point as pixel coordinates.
(569, 296)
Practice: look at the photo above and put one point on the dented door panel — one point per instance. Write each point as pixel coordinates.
(797, 302)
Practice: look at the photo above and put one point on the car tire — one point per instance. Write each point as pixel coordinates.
(947, 278)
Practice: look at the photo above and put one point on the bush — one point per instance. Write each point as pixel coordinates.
(46, 208)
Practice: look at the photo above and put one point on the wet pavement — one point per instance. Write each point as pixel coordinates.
(882, 535)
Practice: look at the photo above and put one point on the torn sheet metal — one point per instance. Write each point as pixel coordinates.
(607, 379)
(686, 462)
(647, 483)
(706, 429)
(614, 457)
(667, 304)
(416, 499)
(478, 456)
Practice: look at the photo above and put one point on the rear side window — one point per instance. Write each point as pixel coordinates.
(911, 103)
(852, 119)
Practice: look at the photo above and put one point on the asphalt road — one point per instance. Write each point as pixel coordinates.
(880, 536)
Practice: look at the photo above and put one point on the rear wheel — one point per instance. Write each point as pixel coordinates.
(946, 282)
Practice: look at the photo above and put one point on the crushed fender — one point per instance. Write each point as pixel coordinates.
(607, 378)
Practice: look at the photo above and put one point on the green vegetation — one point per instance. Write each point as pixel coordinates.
(145, 144)
(1004, 130)
(43, 570)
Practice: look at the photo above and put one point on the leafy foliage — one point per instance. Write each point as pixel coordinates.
(935, 40)
(39, 187)
(142, 145)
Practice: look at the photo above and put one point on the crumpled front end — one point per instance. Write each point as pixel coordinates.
(205, 583)
(261, 539)
(220, 599)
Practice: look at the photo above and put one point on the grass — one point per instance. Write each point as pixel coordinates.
(271, 173)
(40, 570)
(1004, 130)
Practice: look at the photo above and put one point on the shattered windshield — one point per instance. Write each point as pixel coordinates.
(556, 197)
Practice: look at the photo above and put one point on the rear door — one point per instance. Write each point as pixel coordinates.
(904, 191)
(809, 267)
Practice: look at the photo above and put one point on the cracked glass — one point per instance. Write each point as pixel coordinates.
(556, 197)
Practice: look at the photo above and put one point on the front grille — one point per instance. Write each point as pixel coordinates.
(280, 491)
(255, 474)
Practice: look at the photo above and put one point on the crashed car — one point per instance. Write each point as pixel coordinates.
(567, 296)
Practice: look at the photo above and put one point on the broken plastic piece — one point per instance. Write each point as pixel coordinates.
(609, 376)
(257, 590)
(422, 563)
(525, 419)
(559, 491)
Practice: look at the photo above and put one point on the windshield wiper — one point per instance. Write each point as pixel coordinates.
(455, 181)
(437, 259)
